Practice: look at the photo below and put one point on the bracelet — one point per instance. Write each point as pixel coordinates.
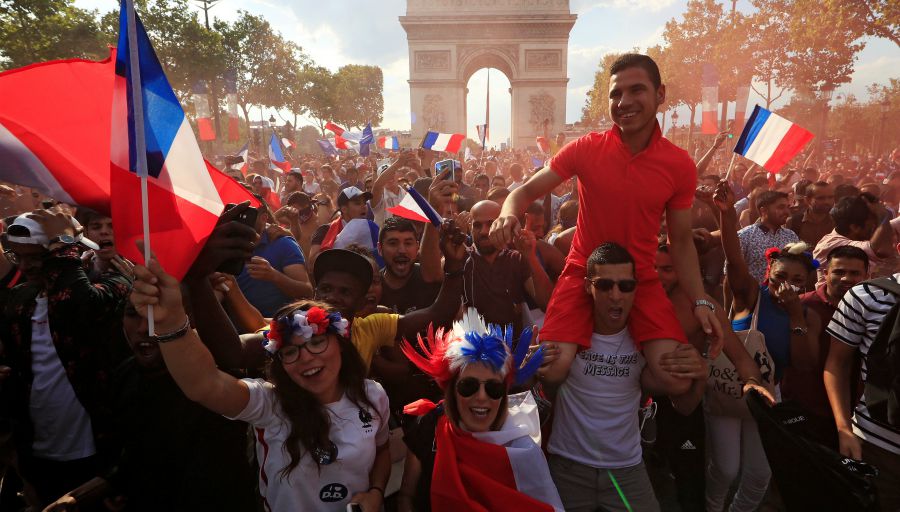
(379, 489)
(163, 338)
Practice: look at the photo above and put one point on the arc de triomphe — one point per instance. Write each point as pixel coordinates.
(449, 40)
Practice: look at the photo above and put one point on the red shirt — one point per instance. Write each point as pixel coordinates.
(622, 196)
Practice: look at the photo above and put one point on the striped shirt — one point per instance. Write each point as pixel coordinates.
(856, 322)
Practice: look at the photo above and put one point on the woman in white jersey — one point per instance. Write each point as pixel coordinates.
(320, 427)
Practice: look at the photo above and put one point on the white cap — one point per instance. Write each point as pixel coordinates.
(26, 230)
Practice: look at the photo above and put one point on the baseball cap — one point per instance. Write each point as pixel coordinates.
(342, 260)
(352, 193)
(25, 230)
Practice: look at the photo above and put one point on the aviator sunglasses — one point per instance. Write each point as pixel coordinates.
(469, 386)
(605, 285)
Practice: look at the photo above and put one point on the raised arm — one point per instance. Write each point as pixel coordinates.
(188, 360)
(440, 193)
(743, 286)
(704, 161)
(506, 226)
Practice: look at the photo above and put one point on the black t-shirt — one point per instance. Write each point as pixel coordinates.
(420, 441)
(415, 294)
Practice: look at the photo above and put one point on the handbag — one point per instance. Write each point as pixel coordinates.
(724, 387)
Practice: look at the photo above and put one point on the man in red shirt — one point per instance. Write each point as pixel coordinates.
(627, 178)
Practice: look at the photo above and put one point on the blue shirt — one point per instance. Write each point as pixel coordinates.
(264, 295)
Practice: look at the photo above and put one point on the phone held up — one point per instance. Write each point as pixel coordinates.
(449, 164)
(234, 266)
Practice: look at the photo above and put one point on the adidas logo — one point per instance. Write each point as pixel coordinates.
(688, 445)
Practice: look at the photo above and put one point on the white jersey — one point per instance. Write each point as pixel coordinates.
(596, 421)
(355, 431)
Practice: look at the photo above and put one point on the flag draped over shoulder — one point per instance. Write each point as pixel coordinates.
(186, 195)
(497, 470)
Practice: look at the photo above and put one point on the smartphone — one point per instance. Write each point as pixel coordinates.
(449, 164)
(248, 218)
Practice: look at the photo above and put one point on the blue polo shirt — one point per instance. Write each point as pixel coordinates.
(264, 295)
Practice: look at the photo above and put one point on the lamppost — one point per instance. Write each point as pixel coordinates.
(674, 126)
(885, 107)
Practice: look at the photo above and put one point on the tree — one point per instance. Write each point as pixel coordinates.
(265, 62)
(768, 36)
(320, 100)
(187, 51)
(596, 108)
(306, 139)
(41, 30)
(876, 18)
(359, 95)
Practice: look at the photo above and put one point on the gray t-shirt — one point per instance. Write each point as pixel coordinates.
(596, 421)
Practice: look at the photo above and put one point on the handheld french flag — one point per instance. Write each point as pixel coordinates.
(368, 138)
(326, 147)
(771, 140)
(244, 153)
(337, 130)
(276, 156)
(449, 142)
(392, 143)
(182, 198)
(415, 207)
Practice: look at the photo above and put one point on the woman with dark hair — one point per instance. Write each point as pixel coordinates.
(479, 449)
(791, 332)
(320, 427)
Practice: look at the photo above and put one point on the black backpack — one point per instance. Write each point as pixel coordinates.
(882, 391)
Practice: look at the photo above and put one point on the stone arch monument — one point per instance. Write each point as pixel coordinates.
(449, 40)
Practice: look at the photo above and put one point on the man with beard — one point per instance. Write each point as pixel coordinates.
(846, 267)
(98, 228)
(293, 182)
(497, 279)
(403, 288)
(768, 231)
(815, 222)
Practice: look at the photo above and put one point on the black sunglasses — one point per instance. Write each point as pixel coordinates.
(470, 385)
(605, 285)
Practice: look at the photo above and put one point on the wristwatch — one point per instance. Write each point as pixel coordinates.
(704, 302)
(799, 331)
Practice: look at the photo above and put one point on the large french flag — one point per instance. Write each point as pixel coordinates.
(497, 470)
(201, 109)
(771, 140)
(449, 142)
(710, 99)
(392, 143)
(276, 155)
(184, 192)
(230, 78)
(415, 207)
(337, 130)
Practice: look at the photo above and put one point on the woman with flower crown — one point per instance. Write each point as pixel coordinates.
(479, 449)
(320, 426)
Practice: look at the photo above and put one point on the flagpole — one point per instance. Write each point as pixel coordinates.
(487, 111)
(140, 146)
(730, 166)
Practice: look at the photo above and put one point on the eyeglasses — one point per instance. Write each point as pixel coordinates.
(605, 285)
(470, 385)
(290, 353)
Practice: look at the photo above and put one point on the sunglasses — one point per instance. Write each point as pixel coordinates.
(605, 285)
(470, 385)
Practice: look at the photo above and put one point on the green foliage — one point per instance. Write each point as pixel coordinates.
(39, 30)
(358, 95)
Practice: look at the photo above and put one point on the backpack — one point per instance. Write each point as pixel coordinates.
(882, 390)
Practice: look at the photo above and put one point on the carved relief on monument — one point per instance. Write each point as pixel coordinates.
(433, 112)
(540, 60)
(464, 31)
(432, 60)
(542, 108)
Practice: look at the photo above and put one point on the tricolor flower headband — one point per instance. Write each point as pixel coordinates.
(314, 321)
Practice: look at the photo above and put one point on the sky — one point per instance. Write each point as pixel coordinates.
(360, 32)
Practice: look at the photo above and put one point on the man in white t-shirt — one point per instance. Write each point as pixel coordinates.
(595, 444)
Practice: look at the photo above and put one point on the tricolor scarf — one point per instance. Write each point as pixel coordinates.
(501, 470)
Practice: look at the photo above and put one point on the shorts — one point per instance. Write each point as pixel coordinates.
(570, 312)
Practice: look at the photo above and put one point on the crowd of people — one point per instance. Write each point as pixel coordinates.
(580, 333)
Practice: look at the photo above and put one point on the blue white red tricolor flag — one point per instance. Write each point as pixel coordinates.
(710, 98)
(415, 207)
(244, 153)
(326, 147)
(771, 140)
(337, 130)
(201, 110)
(449, 142)
(392, 143)
(230, 77)
(184, 192)
(276, 155)
(367, 139)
